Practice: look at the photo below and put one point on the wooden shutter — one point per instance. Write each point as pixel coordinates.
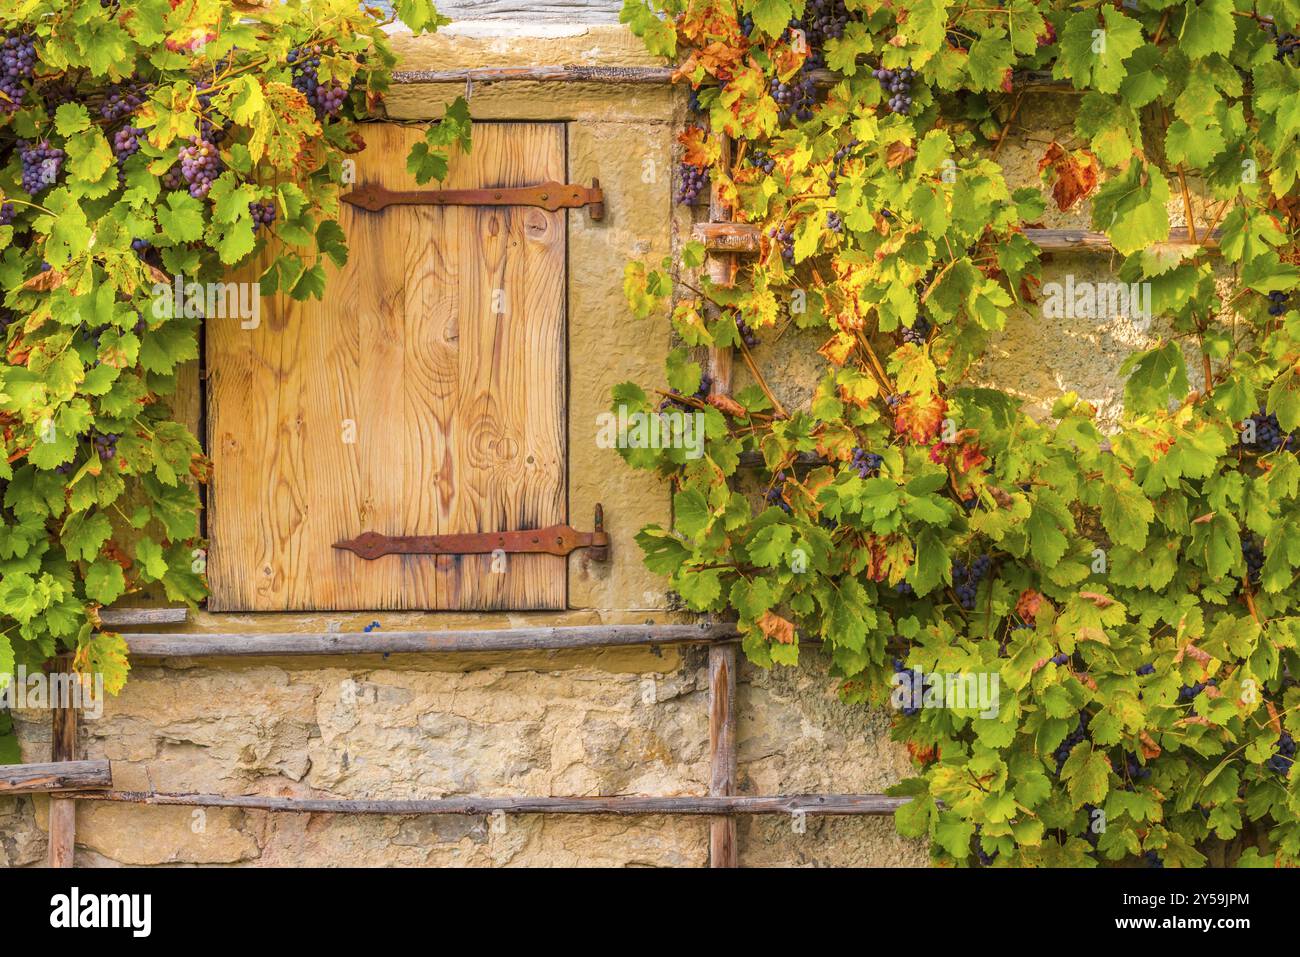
(441, 344)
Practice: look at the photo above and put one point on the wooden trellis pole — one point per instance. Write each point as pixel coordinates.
(63, 747)
(721, 267)
(816, 804)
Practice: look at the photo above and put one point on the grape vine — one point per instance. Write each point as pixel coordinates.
(140, 143)
(1132, 585)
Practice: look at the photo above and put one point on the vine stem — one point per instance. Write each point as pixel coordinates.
(1006, 127)
(1182, 183)
(1160, 30)
(762, 382)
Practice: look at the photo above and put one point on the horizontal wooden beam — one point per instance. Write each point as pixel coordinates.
(1084, 240)
(226, 645)
(119, 617)
(55, 776)
(636, 75)
(829, 804)
(745, 238)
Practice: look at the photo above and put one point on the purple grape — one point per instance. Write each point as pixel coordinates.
(41, 163)
(795, 98)
(17, 61)
(747, 335)
(325, 98)
(122, 100)
(966, 579)
(7, 213)
(918, 333)
(263, 212)
(898, 84)
(785, 239)
(126, 143)
(694, 181)
(866, 463)
(200, 166)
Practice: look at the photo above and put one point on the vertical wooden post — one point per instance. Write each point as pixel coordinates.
(63, 747)
(722, 750)
(722, 658)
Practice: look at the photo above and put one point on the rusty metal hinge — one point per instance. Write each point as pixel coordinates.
(552, 540)
(548, 196)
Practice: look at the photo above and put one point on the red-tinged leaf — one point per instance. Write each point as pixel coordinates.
(1073, 174)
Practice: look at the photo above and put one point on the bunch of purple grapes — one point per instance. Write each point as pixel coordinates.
(834, 222)
(172, 179)
(7, 213)
(776, 494)
(325, 98)
(263, 211)
(126, 143)
(1287, 44)
(796, 98)
(200, 166)
(694, 180)
(918, 333)
(760, 159)
(1253, 554)
(1144, 670)
(1074, 738)
(1284, 757)
(823, 20)
(122, 100)
(1189, 692)
(845, 151)
(866, 463)
(915, 688)
(1268, 432)
(17, 61)
(747, 335)
(785, 238)
(42, 164)
(898, 84)
(1277, 302)
(106, 446)
(966, 579)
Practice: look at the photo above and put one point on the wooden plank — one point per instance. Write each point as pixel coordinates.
(63, 747)
(1083, 240)
(722, 751)
(721, 266)
(816, 804)
(119, 617)
(149, 645)
(55, 776)
(424, 395)
(745, 238)
(502, 462)
(638, 75)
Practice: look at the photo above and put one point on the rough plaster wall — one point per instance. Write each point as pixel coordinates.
(616, 722)
(395, 732)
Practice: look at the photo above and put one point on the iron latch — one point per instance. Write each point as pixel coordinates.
(552, 540)
(548, 196)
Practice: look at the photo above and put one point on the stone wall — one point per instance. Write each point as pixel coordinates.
(630, 721)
